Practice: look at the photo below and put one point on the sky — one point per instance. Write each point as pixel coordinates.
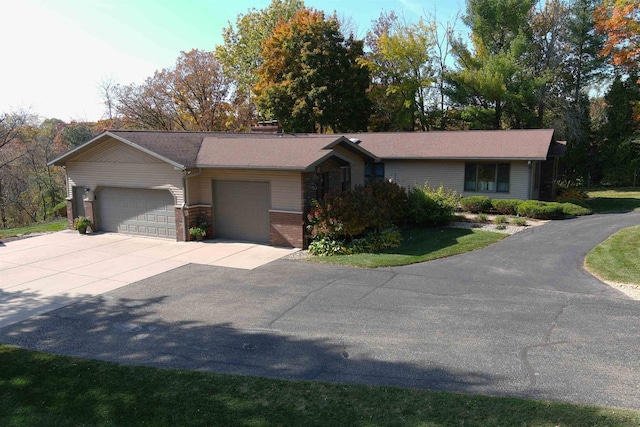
(55, 53)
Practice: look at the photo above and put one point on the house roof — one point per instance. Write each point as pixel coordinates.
(529, 144)
(186, 150)
(275, 151)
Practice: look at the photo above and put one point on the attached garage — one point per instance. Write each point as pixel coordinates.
(241, 210)
(137, 211)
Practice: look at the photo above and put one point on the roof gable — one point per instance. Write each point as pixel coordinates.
(114, 151)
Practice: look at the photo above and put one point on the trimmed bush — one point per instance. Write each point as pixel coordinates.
(500, 219)
(483, 217)
(476, 204)
(326, 246)
(578, 202)
(519, 221)
(571, 193)
(572, 209)
(429, 206)
(506, 206)
(376, 240)
(541, 210)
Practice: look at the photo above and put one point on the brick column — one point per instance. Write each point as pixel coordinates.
(89, 213)
(286, 229)
(179, 225)
(70, 213)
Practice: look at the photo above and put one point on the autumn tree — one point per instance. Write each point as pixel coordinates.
(310, 79)
(240, 52)
(402, 73)
(192, 95)
(619, 22)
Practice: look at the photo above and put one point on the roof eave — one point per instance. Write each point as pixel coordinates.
(515, 159)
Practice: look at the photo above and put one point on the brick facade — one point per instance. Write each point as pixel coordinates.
(286, 229)
(194, 215)
(89, 213)
(70, 213)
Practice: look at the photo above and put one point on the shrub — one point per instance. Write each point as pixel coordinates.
(501, 219)
(383, 203)
(506, 206)
(429, 206)
(326, 246)
(81, 223)
(572, 209)
(519, 221)
(501, 227)
(571, 193)
(541, 210)
(483, 217)
(476, 204)
(376, 240)
(346, 215)
(578, 202)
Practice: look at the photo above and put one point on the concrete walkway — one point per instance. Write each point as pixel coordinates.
(44, 273)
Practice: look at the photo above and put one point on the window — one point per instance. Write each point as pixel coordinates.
(487, 177)
(345, 175)
(323, 185)
(373, 171)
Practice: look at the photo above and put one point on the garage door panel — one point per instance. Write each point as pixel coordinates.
(137, 211)
(241, 210)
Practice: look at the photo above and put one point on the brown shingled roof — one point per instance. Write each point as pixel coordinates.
(284, 151)
(530, 144)
(303, 152)
(180, 147)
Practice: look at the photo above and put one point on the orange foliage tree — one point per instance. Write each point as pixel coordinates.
(619, 21)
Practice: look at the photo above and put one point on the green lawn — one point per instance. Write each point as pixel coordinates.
(616, 258)
(614, 200)
(39, 389)
(57, 225)
(418, 245)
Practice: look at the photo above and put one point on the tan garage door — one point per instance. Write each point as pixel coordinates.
(137, 211)
(241, 210)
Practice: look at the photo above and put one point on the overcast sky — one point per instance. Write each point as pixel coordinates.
(56, 52)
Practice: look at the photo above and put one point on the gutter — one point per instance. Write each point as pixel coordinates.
(186, 175)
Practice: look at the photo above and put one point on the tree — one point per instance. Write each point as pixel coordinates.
(192, 95)
(402, 72)
(310, 79)
(107, 88)
(619, 22)
(240, 53)
(620, 150)
(491, 80)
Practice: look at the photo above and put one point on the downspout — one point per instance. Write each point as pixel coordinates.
(187, 174)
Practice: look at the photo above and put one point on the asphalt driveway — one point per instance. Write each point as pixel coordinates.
(519, 318)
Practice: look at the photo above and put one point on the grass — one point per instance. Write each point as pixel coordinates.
(614, 200)
(616, 259)
(43, 227)
(43, 389)
(419, 245)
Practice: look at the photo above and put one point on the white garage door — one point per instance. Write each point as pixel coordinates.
(136, 211)
(241, 210)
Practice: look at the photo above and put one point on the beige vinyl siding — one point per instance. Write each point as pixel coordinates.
(409, 173)
(158, 176)
(114, 151)
(286, 186)
(357, 165)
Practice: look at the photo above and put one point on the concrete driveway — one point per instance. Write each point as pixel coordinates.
(46, 272)
(519, 318)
